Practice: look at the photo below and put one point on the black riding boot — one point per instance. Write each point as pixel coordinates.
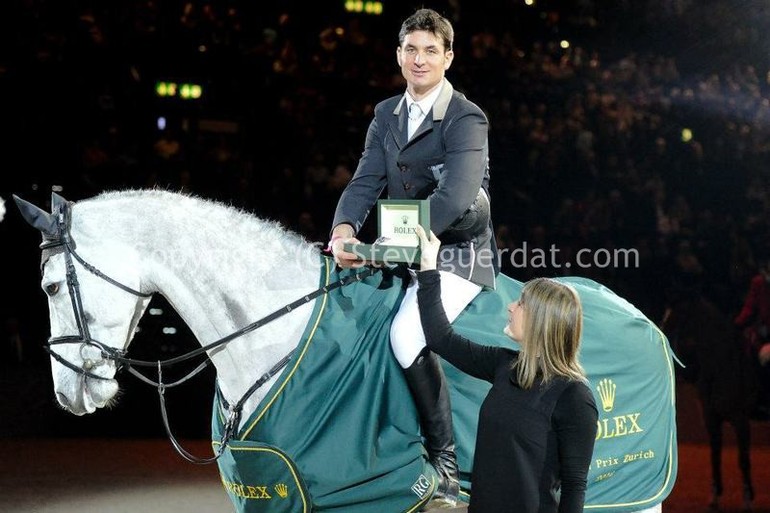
(431, 396)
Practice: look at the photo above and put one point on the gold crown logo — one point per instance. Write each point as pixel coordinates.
(606, 390)
(282, 490)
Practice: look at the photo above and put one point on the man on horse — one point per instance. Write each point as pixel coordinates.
(428, 143)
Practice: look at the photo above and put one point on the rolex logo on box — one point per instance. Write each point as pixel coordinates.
(397, 241)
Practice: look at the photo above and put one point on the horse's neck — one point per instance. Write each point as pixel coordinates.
(222, 278)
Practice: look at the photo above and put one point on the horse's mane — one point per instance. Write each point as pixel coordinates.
(220, 219)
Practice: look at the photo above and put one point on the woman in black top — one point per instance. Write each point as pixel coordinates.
(537, 425)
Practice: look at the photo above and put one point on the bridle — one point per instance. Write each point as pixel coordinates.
(63, 243)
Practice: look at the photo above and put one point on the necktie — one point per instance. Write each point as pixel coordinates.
(415, 118)
(415, 112)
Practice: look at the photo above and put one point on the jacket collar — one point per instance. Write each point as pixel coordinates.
(439, 107)
(399, 121)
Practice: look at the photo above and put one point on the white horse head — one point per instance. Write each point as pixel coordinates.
(103, 258)
(75, 300)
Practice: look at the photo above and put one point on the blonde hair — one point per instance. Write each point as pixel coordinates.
(553, 324)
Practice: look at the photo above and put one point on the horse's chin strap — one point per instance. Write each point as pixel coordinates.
(88, 364)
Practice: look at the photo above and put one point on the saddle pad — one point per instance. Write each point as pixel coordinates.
(341, 412)
(342, 415)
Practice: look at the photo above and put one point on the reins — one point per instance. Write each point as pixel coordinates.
(235, 410)
(118, 356)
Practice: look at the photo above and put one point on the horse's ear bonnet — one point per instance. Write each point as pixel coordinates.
(50, 225)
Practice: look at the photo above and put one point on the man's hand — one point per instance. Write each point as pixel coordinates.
(343, 258)
(341, 235)
(429, 246)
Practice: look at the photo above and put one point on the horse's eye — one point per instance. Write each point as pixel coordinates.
(51, 289)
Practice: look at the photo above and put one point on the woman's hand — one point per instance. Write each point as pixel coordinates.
(429, 246)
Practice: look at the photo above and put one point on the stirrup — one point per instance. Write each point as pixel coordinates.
(447, 494)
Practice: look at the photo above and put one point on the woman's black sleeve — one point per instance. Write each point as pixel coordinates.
(478, 360)
(574, 420)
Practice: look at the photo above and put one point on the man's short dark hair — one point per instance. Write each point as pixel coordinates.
(429, 21)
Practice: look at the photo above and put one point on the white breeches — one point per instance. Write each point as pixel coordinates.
(406, 336)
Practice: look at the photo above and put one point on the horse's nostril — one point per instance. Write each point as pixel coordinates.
(62, 399)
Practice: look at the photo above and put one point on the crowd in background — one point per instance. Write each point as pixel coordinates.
(647, 129)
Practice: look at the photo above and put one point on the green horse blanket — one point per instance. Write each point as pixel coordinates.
(338, 431)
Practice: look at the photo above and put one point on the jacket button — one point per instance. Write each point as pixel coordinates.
(403, 168)
(407, 186)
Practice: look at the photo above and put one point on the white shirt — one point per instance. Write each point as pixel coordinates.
(416, 114)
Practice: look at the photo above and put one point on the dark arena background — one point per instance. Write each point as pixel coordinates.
(614, 124)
